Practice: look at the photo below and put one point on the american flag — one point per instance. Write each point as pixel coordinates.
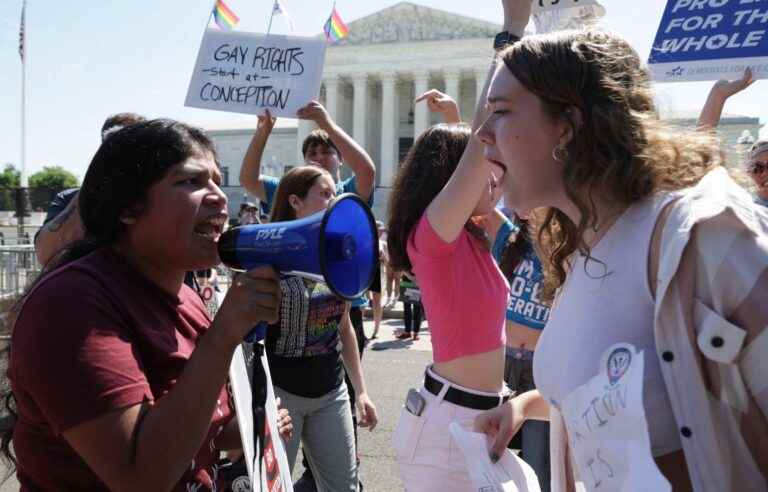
(21, 31)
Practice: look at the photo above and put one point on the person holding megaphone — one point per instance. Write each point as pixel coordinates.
(118, 373)
(309, 347)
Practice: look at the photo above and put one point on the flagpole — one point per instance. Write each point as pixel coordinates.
(272, 16)
(22, 198)
(208, 19)
(24, 63)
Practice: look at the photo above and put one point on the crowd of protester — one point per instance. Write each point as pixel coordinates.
(615, 229)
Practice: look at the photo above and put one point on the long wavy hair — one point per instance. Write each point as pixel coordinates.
(619, 145)
(118, 179)
(298, 181)
(425, 171)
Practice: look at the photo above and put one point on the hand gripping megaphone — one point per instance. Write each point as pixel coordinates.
(338, 247)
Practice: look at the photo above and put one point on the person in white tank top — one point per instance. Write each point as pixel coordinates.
(572, 119)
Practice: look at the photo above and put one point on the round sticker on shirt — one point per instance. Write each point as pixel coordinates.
(618, 362)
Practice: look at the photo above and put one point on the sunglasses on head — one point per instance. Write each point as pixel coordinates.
(756, 167)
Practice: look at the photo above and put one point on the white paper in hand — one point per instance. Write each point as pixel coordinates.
(509, 474)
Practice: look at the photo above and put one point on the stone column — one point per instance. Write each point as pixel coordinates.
(421, 111)
(452, 84)
(480, 75)
(389, 128)
(332, 96)
(360, 112)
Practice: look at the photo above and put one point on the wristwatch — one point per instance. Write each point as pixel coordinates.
(504, 39)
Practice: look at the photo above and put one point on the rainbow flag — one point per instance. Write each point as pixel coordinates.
(335, 29)
(223, 16)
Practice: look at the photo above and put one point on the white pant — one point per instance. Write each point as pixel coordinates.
(428, 458)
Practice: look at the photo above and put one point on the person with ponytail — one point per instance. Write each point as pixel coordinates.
(119, 375)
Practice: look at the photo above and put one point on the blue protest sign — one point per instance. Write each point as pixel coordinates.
(710, 40)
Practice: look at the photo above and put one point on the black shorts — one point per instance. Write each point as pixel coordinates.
(376, 284)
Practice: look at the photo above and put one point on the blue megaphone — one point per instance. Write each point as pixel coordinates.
(338, 247)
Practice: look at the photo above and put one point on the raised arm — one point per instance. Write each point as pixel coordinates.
(353, 154)
(442, 103)
(721, 91)
(250, 171)
(451, 209)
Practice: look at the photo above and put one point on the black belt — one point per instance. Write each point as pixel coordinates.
(463, 398)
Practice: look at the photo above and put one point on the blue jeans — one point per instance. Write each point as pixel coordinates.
(518, 373)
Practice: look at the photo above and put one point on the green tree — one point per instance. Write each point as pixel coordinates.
(9, 181)
(10, 176)
(46, 183)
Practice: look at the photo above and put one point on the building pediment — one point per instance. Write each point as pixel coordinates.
(407, 22)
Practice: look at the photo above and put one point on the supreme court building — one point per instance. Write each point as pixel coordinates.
(369, 83)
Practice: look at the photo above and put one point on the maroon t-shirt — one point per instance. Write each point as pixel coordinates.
(93, 337)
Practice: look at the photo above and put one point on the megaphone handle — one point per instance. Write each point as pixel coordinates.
(258, 333)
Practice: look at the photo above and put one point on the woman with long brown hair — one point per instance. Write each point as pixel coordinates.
(658, 261)
(444, 186)
(309, 348)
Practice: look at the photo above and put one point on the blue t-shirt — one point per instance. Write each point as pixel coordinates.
(271, 183)
(524, 306)
(761, 201)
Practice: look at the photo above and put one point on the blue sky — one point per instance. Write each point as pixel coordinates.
(89, 59)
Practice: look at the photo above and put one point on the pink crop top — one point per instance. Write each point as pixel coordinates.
(463, 292)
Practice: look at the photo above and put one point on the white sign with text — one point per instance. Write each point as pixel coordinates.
(607, 428)
(250, 73)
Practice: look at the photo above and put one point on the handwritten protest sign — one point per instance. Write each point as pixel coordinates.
(250, 73)
(544, 5)
(607, 428)
(710, 40)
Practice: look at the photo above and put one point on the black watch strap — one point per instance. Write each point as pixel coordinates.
(504, 39)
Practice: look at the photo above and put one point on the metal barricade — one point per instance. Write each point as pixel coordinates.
(18, 267)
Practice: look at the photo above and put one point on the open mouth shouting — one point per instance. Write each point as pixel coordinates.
(212, 226)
